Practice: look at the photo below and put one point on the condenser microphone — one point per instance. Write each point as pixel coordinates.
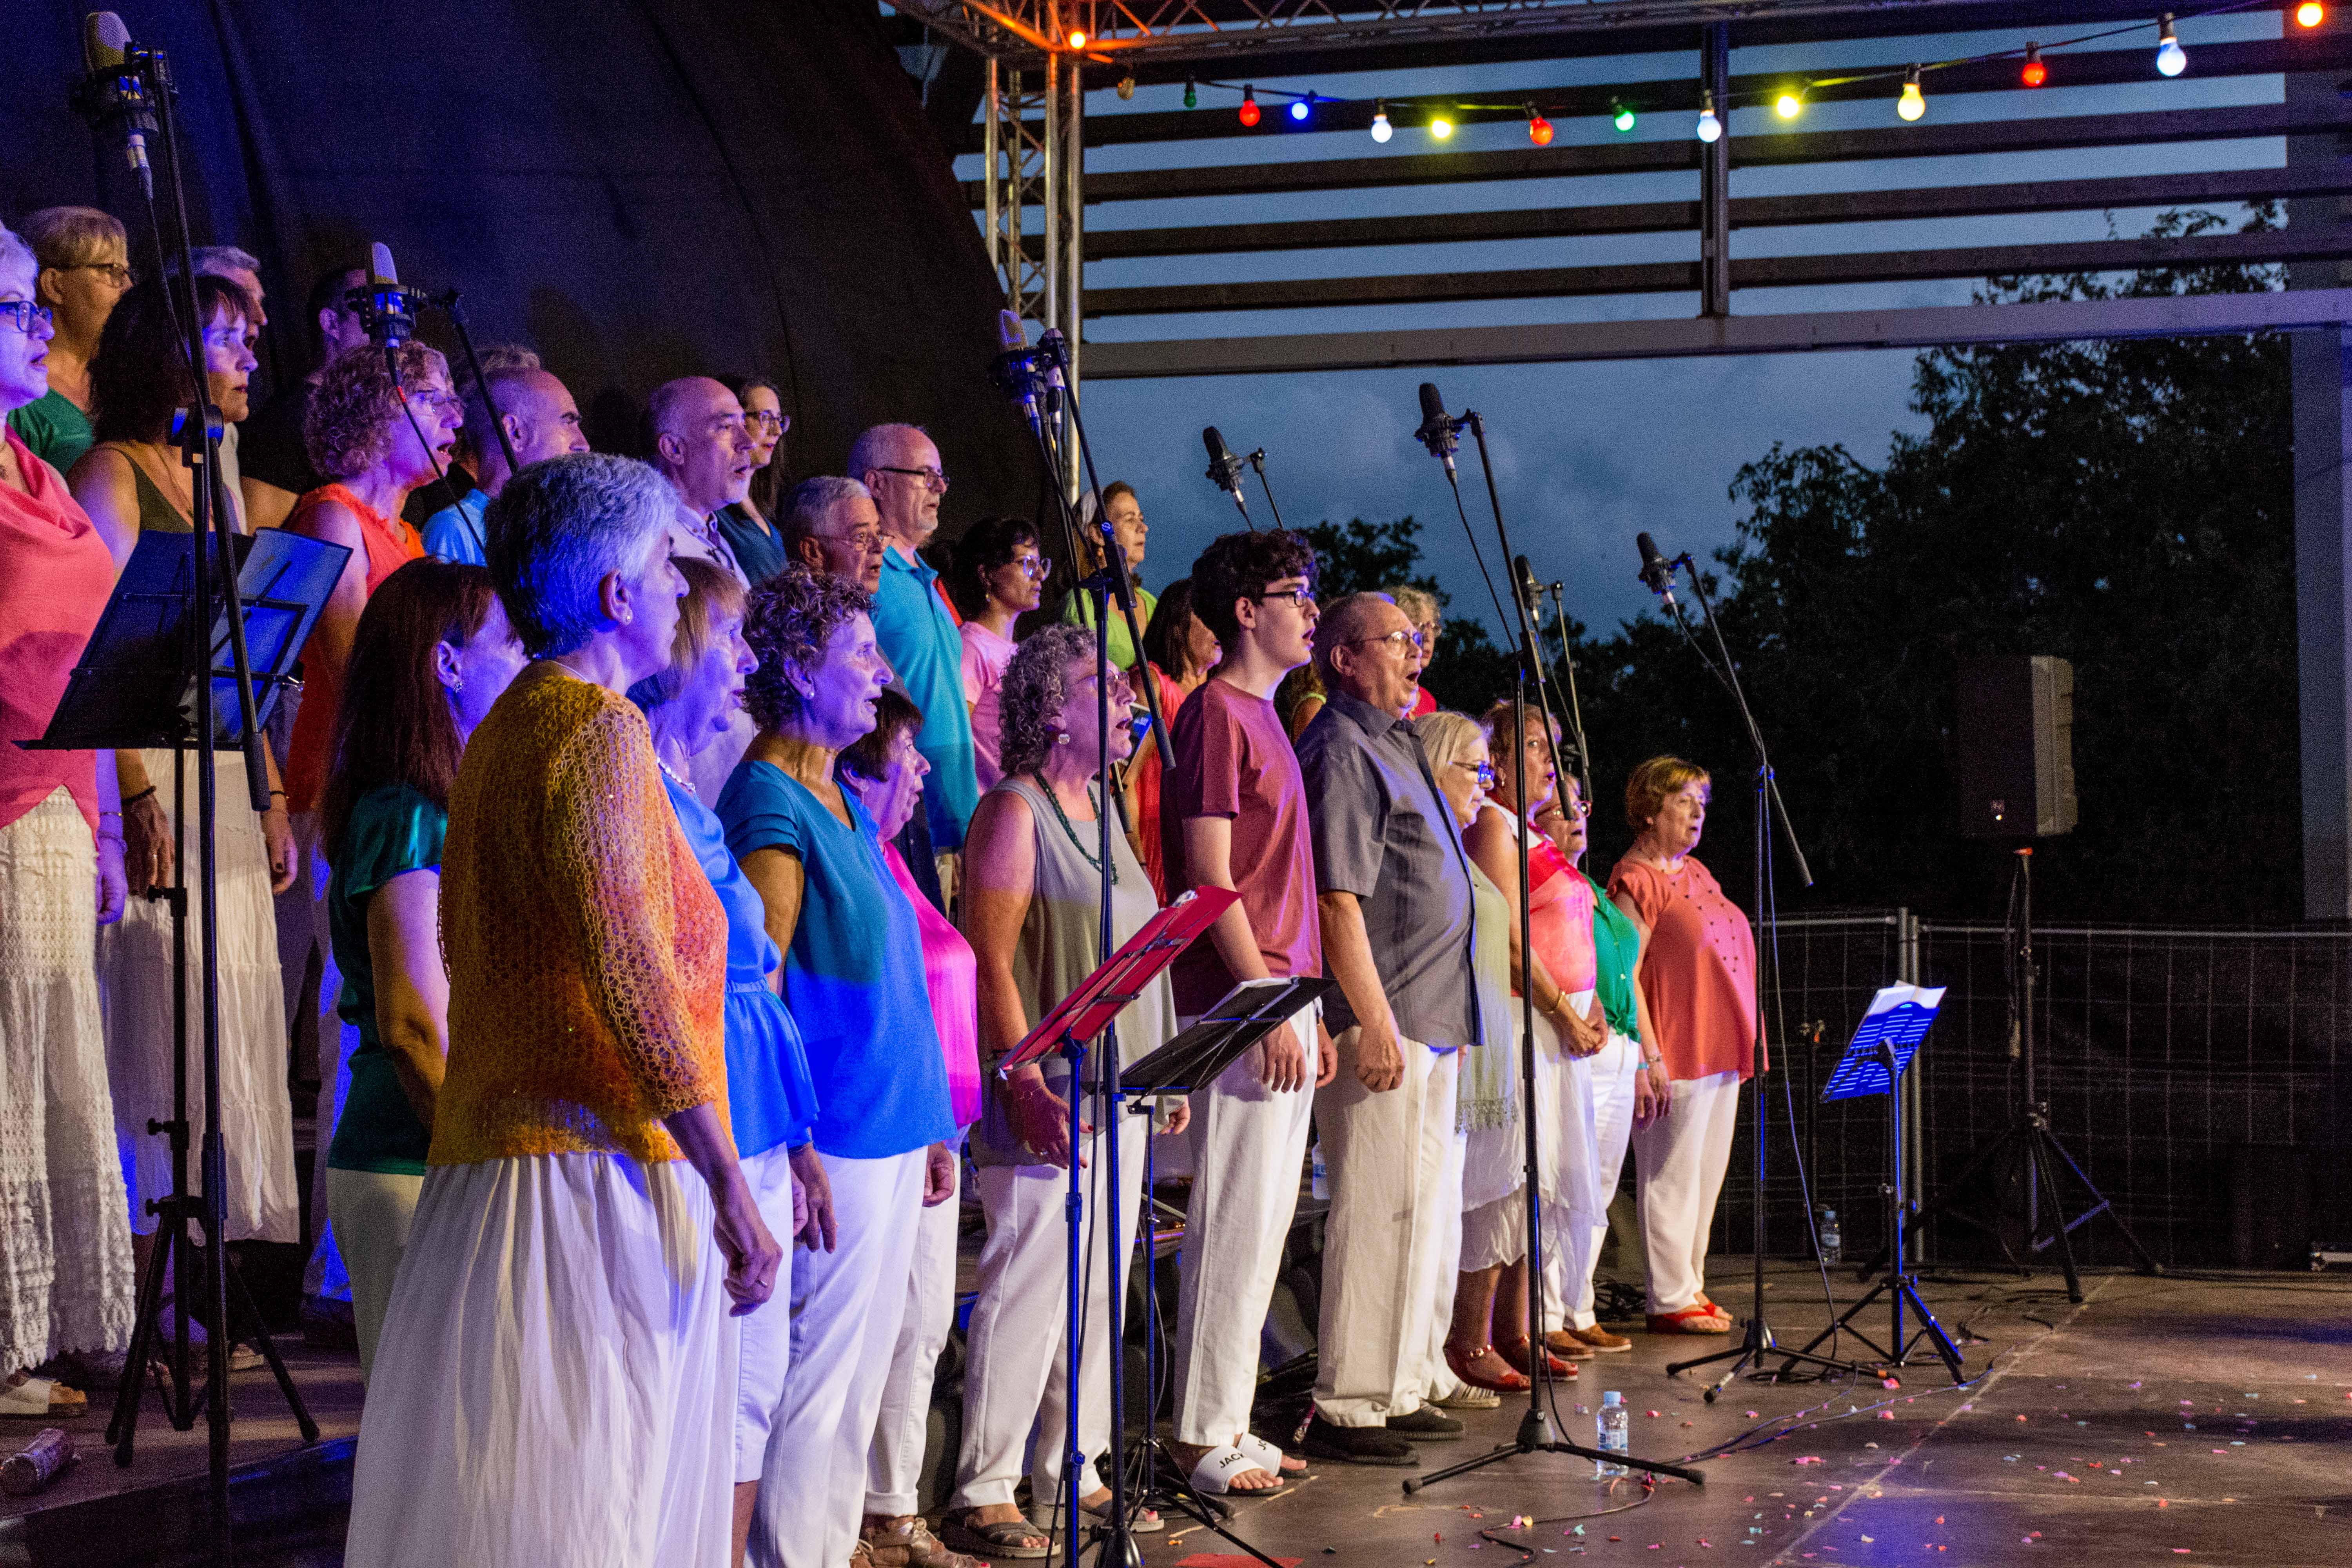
(1225, 469)
(1657, 572)
(1011, 370)
(1437, 431)
(1530, 591)
(112, 96)
(390, 320)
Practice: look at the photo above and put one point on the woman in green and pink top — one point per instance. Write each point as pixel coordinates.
(999, 575)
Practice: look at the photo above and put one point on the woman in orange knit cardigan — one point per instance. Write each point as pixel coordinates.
(549, 1382)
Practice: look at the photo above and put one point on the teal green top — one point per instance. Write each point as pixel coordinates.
(1079, 611)
(1618, 947)
(54, 428)
(393, 830)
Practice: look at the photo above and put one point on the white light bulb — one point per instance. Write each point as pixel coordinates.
(2172, 59)
(1381, 129)
(1710, 129)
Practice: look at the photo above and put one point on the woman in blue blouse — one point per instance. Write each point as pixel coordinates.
(852, 977)
(770, 1102)
(431, 652)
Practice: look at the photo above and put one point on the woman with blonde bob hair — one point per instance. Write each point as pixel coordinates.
(1698, 976)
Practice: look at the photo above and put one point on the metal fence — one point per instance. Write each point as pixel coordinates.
(2202, 1078)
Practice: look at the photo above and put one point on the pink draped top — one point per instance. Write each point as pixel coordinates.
(952, 976)
(55, 576)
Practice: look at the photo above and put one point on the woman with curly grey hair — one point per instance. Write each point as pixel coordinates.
(853, 977)
(1033, 895)
(375, 440)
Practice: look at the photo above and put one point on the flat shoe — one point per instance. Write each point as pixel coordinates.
(1359, 1444)
(1563, 1343)
(40, 1399)
(1470, 1397)
(1464, 1367)
(1425, 1426)
(1601, 1341)
(1691, 1319)
(1006, 1537)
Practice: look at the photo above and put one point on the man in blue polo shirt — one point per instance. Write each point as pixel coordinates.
(900, 468)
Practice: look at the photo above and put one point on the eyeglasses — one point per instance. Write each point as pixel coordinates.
(1302, 598)
(1397, 641)
(868, 542)
(1037, 566)
(1485, 770)
(25, 312)
(772, 423)
(931, 478)
(434, 400)
(122, 277)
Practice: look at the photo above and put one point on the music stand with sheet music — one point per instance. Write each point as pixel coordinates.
(135, 686)
(1881, 1051)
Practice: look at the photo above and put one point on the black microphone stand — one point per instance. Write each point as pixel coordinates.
(1537, 1433)
(1568, 683)
(1757, 1345)
(1257, 460)
(214, 550)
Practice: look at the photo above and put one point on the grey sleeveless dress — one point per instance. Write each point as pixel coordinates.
(1059, 948)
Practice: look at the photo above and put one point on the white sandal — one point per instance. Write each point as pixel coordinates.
(1220, 1464)
(1269, 1458)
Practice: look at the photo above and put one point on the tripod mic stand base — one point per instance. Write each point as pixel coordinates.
(1535, 1435)
(1756, 1347)
(1175, 1493)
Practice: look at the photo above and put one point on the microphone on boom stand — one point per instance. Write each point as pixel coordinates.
(1657, 572)
(1437, 432)
(112, 95)
(389, 312)
(1225, 471)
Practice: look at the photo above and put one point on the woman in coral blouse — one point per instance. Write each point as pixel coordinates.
(549, 1381)
(1698, 975)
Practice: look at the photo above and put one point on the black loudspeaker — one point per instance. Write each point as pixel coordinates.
(2016, 752)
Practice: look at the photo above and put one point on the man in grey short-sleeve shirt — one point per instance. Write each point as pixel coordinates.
(1394, 894)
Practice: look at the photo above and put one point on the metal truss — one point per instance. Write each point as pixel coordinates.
(1033, 160)
(1117, 31)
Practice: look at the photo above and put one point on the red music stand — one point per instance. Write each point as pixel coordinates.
(1101, 997)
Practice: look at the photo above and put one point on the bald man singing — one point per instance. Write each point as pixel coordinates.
(542, 420)
(702, 445)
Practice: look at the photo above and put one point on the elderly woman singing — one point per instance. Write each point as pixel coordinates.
(550, 1383)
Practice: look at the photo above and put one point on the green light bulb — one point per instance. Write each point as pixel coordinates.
(1192, 98)
(1623, 118)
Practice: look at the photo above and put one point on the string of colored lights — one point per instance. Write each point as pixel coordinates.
(1787, 101)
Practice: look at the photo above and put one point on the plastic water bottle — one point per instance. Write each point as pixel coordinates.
(1833, 1240)
(1615, 1434)
(1319, 1178)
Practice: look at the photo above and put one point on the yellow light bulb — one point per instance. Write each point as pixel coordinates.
(1078, 40)
(1440, 127)
(1788, 106)
(1913, 103)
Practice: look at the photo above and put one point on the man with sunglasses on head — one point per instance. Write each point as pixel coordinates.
(919, 630)
(1233, 815)
(1394, 904)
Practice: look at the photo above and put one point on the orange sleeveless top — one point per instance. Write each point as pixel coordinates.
(390, 544)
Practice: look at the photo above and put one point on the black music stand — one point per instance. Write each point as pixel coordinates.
(136, 685)
(1889, 1035)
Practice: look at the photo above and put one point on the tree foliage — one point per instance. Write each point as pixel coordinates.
(2126, 505)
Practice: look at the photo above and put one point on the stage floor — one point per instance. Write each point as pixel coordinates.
(2204, 1421)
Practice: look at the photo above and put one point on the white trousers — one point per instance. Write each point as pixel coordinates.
(894, 1469)
(764, 1337)
(1018, 1374)
(1439, 1380)
(1680, 1161)
(1386, 1155)
(847, 1305)
(1613, 1072)
(374, 1210)
(325, 1273)
(1248, 1152)
(553, 1359)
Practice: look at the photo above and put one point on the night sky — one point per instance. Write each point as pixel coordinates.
(1586, 454)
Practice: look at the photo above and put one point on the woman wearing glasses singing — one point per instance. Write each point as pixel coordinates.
(750, 524)
(83, 271)
(999, 575)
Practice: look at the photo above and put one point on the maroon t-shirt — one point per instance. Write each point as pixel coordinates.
(1234, 759)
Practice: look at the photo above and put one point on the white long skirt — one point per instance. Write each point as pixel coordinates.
(262, 1199)
(554, 1386)
(1495, 1167)
(65, 1280)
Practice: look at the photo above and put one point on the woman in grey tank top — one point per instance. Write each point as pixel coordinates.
(1032, 910)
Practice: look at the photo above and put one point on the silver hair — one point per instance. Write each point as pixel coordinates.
(1036, 683)
(1414, 602)
(1448, 736)
(807, 513)
(557, 529)
(502, 363)
(872, 448)
(16, 250)
(223, 258)
(1339, 624)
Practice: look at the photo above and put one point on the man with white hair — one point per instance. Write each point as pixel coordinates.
(541, 419)
(831, 528)
(1394, 899)
(920, 632)
(702, 445)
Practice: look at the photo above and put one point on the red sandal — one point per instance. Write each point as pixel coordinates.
(1518, 1352)
(1463, 1368)
(1698, 1318)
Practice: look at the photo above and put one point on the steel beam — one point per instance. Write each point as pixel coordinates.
(1716, 210)
(2044, 134)
(1835, 268)
(2174, 315)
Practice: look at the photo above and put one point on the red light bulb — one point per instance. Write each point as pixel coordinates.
(1249, 106)
(2310, 14)
(2035, 73)
(1539, 132)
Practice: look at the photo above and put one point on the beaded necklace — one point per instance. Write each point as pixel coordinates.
(1064, 818)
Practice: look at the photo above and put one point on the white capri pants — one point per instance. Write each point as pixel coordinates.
(1681, 1159)
(372, 1211)
(894, 1469)
(765, 1336)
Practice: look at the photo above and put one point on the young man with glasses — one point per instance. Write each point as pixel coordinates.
(1233, 815)
(919, 629)
(1394, 904)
